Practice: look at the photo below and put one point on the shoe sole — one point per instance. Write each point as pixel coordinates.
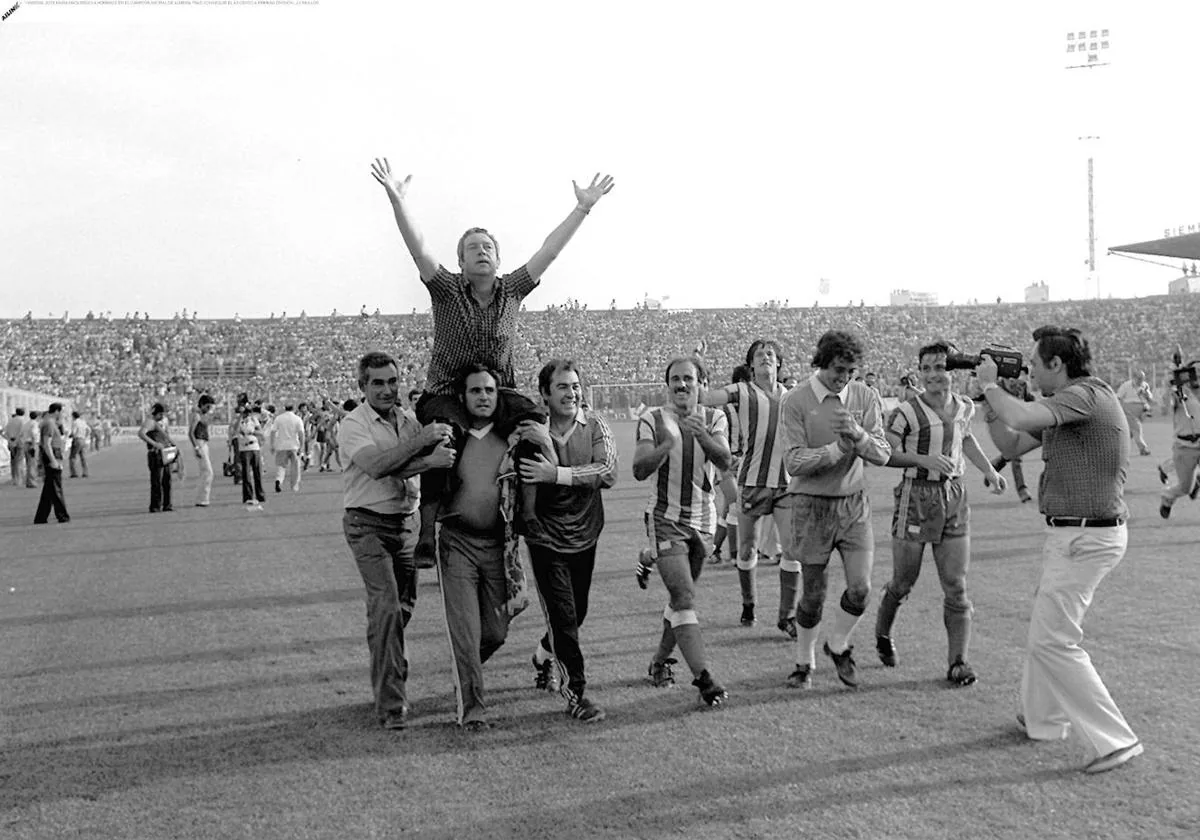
(1115, 759)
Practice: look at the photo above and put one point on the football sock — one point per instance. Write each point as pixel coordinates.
(789, 592)
(747, 582)
(886, 617)
(691, 645)
(843, 625)
(666, 645)
(806, 644)
(958, 632)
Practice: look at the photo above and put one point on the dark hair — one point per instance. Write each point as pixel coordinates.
(374, 359)
(20, 412)
(33, 415)
(349, 405)
(287, 406)
(462, 241)
(837, 344)
(75, 414)
(205, 399)
(415, 392)
(741, 373)
(939, 348)
(774, 345)
(157, 408)
(701, 372)
(552, 367)
(53, 408)
(460, 381)
(1069, 345)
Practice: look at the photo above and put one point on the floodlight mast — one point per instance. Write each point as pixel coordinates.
(1090, 46)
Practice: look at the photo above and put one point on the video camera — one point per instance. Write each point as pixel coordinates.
(1009, 362)
(1183, 375)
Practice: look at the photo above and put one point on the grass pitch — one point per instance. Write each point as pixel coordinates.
(203, 674)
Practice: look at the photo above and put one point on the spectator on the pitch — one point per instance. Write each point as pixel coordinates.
(160, 455)
(16, 449)
(286, 437)
(80, 433)
(30, 435)
(50, 453)
(198, 436)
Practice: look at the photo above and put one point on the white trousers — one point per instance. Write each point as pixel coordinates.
(1061, 693)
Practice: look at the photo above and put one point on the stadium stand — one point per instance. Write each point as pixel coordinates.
(115, 367)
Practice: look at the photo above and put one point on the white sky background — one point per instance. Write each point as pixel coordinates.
(217, 157)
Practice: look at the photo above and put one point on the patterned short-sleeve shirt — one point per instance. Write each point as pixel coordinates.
(466, 332)
(1086, 452)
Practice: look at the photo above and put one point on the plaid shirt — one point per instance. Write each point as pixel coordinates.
(465, 332)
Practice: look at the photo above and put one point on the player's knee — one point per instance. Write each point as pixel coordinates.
(809, 611)
(747, 558)
(897, 589)
(854, 599)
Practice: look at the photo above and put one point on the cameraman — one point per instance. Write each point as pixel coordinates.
(1085, 441)
(1185, 450)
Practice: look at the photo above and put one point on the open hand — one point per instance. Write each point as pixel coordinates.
(383, 174)
(589, 195)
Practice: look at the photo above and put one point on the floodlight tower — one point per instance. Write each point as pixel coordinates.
(1089, 47)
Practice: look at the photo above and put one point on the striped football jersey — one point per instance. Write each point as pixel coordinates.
(759, 434)
(684, 485)
(922, 431)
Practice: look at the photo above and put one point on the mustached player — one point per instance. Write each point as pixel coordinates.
(682, 446)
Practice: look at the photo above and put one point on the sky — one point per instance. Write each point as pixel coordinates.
(215, 157)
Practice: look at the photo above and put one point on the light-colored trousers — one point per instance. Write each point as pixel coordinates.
(471, 573)
(1061, 693)
(204, 490)
(287, 461)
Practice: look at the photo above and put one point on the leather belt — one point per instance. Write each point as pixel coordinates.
(1078, 522)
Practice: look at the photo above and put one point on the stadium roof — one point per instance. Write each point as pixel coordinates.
(1186, 247)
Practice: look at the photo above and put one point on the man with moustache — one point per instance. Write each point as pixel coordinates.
(475, 320)
(832, 427)
(683, 445)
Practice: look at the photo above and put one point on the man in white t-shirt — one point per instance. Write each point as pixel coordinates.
(287, 442)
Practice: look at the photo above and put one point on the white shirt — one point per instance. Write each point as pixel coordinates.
(287, 431)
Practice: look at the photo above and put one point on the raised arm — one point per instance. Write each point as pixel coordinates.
(397, 190)
(586, 198)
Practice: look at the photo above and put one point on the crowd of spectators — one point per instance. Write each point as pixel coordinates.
(115, 367)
